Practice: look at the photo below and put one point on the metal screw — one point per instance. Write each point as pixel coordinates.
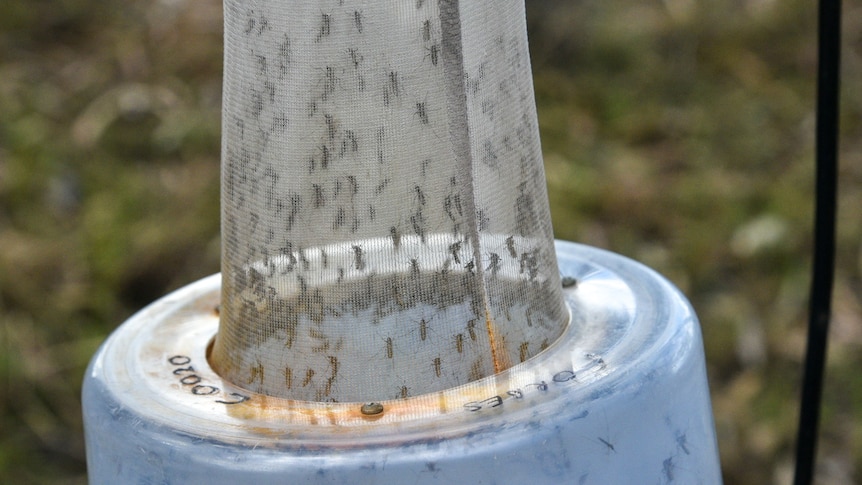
(371, 408)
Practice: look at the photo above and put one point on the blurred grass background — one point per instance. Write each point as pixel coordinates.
(676, 132)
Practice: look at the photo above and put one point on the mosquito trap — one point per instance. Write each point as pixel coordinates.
(392, 306)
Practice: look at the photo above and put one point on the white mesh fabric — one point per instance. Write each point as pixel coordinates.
(385, 226)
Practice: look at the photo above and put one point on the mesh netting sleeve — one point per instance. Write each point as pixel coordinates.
(385, 222)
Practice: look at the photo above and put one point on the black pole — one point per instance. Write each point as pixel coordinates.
(828, 76)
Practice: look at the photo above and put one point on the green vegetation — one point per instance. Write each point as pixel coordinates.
(679, 133)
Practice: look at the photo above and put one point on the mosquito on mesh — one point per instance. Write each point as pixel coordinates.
(422, 112)
(357, 20)
(325, 27)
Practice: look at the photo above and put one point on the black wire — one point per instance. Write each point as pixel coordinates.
(828, 76)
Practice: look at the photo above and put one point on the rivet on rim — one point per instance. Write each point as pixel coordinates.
(569, 282)
(371, 408)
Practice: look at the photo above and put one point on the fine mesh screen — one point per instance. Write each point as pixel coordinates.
(385, 225)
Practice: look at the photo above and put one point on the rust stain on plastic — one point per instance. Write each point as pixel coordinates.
(345, 416)
(498, 350)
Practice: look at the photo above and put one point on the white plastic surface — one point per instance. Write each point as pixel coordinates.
(622, 397)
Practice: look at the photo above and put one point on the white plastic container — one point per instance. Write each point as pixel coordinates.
(622, 397)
